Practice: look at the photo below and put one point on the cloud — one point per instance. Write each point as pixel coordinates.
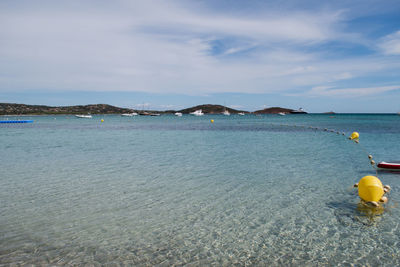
(142, 105)
(175, 47)
(168, 106)
(349, 92)
(390, 44)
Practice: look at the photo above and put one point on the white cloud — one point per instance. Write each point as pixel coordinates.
(349, 92)
(168, 106)
(390, 44)
(142, 105)
(165, 46)
(343, 76)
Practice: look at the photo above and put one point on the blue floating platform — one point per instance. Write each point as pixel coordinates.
(24, 121)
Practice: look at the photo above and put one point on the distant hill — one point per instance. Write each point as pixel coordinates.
(22, 109)
(274, 110)
(211, 109)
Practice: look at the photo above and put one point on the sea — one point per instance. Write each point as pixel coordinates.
(247, 190)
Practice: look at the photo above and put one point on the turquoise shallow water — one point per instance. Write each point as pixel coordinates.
(183, 191)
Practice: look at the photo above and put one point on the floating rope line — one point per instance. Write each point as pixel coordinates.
(370, 188)
(353, 137)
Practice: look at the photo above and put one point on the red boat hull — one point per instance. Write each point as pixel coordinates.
(389, 166)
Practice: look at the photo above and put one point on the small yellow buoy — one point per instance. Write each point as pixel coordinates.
(387, 187)
(370, 188)
(212, 121)
(102, 120)
(354, 135)
(384, 199)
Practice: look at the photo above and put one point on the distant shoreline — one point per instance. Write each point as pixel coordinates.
(13, 109)
(93, 109)
(171, 114)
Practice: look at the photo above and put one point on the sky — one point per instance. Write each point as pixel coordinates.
(341, 56)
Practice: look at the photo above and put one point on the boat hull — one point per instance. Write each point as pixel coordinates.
(84, 116)
(21, 121)
(390, 166)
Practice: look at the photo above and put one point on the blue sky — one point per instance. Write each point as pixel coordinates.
(320, 55)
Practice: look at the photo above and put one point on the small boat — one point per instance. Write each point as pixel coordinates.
(281, 113)
(179, 114)
(17, 121)
(226, 113)
(198, 112)
(299, 111)
(84, 116)
(241, 113)
(129, 114)
(390, 166)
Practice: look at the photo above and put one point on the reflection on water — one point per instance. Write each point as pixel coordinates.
(369, 214)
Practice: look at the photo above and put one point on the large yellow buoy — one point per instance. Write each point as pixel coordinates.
(370, 188)
(212, 121)
(354, 135)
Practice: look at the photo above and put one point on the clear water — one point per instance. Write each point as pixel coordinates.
(183, 191)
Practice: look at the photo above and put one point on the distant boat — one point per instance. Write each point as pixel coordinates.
(179, 114)
(226, 112)
(129, 114)
(198, 112)
(299, 111)
(17, 121)
(241, 113)
(84, 116)
(281, 113)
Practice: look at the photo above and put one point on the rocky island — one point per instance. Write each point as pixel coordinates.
(211, 109)
(274, 110)
(277, 110)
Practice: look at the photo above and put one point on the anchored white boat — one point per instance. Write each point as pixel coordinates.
(226, 112)
(241, 113)
(129, 114)
(299, 111)
(281, 113)
(179, 114)
(198, 112)
(84, 116)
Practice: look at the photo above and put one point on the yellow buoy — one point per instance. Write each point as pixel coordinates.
(212, 121)
(354, 135)
(370, 188)
(102, 120)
